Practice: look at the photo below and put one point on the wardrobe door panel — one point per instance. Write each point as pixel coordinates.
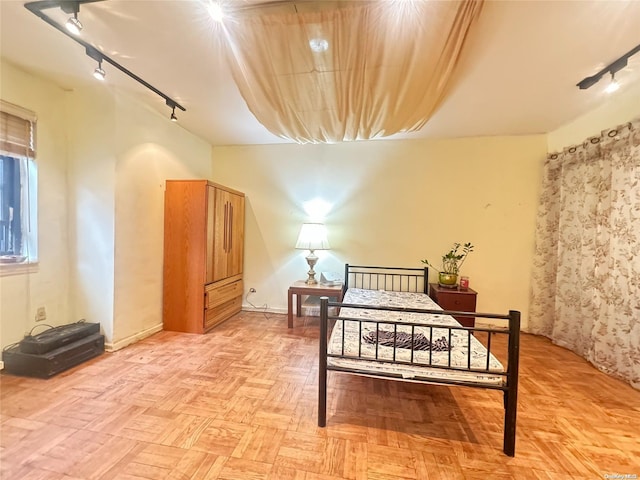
(210, 242)
(236, 251)
(184, 255)
(222, 235)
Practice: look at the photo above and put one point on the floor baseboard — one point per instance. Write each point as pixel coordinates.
(112, 347)
(248, 308)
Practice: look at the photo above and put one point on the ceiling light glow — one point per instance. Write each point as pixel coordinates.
(317, 209)
(215, 11)
(319, 45)
(613, 85)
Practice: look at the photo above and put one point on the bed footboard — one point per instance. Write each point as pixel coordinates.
(419, 364)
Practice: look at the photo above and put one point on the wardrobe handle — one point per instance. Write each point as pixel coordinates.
(226, 218)
(230, 227)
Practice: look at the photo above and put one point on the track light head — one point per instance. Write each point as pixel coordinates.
(172, 105)
(614, 85)
(99, 73)
(74, 25)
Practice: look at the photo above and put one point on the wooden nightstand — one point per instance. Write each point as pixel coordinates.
(300, 288)
(455, 299)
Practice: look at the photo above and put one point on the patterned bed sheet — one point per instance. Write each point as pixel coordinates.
(460, 341)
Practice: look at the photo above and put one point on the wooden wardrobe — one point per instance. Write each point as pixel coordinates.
(203, 255)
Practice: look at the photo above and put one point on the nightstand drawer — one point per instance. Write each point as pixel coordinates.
(461, 303)
(456, 300)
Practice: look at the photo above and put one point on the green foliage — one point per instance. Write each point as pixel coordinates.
(453, 259)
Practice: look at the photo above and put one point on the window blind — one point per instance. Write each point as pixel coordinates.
(17, 130)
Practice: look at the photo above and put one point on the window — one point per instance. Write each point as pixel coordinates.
(10, 216)
(17, 185)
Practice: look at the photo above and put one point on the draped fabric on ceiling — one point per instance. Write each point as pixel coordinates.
(356, 72)
(586, 282)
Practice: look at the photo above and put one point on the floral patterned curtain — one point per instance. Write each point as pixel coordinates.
(586, 281)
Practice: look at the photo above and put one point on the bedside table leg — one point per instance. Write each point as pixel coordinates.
(290, 309)
(298, 305)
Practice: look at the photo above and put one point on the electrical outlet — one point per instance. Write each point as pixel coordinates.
(252, 290)
(41, 314)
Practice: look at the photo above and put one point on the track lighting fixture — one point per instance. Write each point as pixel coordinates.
(99, 73)
(74, 25)
(612, 68)
(172, 105)
(92, 52)
(614, 85)
(73, 7)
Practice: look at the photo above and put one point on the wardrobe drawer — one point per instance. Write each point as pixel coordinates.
(214, 316)
(221, 292)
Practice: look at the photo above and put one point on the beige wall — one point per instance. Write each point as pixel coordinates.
(91, 164)
(103, 158)
(22, 294)
(150, 150)
(393, 203)
(121, 153)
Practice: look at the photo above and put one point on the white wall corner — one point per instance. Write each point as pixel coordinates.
(112, 347)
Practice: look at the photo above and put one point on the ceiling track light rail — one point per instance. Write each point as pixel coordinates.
(73, 7)
(612, 68)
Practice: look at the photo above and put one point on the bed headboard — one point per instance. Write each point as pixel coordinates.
(396, 279)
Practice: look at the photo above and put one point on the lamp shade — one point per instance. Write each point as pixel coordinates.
(313, 236)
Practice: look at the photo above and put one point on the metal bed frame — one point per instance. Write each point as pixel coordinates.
(416, 280)
(396, 279)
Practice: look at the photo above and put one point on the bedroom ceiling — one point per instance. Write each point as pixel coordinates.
(516, 77)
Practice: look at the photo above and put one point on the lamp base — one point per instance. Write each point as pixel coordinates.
(312, 259)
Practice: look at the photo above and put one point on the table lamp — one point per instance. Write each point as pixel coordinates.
(313, 236)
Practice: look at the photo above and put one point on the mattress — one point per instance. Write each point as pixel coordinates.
(462, 344)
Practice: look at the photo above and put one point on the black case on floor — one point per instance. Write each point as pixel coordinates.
(55, 361)
(57, 337)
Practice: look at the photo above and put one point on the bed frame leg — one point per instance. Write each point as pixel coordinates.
(511, 394)
(322, 363)
(509, 441)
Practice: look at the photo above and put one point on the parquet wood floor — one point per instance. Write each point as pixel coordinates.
(240, 403)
